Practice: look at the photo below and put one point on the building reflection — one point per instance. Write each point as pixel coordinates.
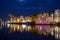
(39, 29)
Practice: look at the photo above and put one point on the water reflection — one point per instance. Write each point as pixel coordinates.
(39, 29)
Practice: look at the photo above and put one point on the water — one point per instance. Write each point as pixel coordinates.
(5, 35)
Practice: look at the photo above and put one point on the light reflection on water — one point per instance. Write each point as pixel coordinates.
(28, 28)
(26, 35)
(39, 29)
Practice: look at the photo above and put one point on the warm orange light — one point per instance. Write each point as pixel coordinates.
(18, 27)
(18, 20)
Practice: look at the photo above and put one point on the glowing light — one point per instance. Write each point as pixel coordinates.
(14, 29)
(23, 26)
(18, 27)
(8, 25)
(56, 29)
(40, 28)
(29, 20)
(23, 20)
(18, 20)
(29, 27)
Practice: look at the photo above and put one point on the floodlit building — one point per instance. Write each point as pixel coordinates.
(57, 15)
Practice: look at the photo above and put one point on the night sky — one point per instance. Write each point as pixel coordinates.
(26, 7)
